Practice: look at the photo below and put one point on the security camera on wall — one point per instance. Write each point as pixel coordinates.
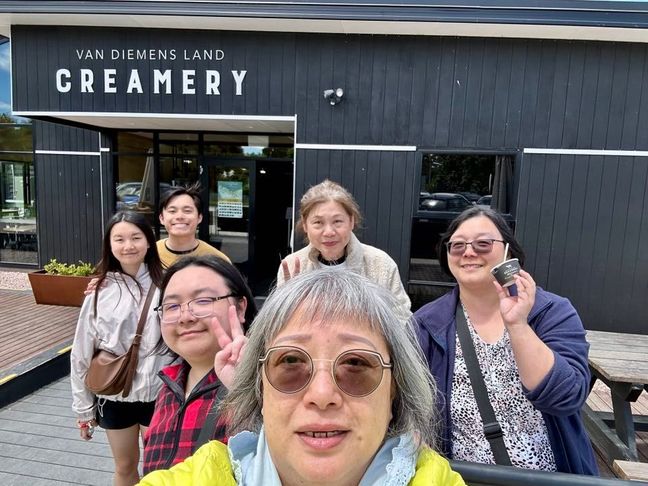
(334, 96)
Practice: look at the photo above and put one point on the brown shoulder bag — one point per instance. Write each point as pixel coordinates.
(110, 374)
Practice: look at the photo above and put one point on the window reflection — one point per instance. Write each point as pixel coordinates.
(451, 183)
(18, 238)
(174, 158)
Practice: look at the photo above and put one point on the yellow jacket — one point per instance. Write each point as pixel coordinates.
(211, 465)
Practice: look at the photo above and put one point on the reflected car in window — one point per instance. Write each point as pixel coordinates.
(432, 218)
(471, 196)
(444, 201)
(128, 195)
(485, 201)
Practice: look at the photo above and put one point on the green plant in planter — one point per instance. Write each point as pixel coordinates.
(80, 269)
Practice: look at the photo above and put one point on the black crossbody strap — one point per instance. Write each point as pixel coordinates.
(492, 428)
(207, 430)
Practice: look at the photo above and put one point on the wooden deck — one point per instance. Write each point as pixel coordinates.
(39, 443)
(27, 329)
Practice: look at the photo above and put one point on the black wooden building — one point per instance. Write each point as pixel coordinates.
(549, 105)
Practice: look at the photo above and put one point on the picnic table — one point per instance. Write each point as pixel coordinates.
(620, 361)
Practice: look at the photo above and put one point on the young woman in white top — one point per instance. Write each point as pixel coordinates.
(129, 266)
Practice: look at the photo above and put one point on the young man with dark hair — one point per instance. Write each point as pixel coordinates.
(180, 213)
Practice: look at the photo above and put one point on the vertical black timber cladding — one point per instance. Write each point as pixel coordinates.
(68, 194)
(268, 60)
(432, 92)
(381, 183)
(442, 92)
(584, 228)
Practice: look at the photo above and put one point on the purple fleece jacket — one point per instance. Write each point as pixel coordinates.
(559, 397)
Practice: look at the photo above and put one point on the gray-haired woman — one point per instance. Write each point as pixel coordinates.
(331, 389)
(328, 215)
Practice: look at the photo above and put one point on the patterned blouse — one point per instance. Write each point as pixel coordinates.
(525, 433)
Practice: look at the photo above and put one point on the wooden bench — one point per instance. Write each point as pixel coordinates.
(636, 471)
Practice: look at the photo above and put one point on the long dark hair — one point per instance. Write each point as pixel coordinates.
(109, 263)
(505, 230)
(234, 281)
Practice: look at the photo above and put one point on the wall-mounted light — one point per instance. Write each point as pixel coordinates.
(334, 96)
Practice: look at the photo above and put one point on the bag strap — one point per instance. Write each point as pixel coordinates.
(137, 339)
(144, 314)
(209, 425)
(492, 428)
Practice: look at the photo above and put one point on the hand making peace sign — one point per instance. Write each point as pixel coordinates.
(232, 346)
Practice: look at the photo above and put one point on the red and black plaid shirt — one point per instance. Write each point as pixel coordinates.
(176, 423)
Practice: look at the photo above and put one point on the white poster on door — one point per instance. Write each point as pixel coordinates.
(230, 199)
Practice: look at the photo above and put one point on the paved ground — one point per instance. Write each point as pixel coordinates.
(14, 280)
(40, 444)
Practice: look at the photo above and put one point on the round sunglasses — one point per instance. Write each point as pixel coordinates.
(357, 372)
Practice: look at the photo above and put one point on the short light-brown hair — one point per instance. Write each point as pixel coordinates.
(326, 191)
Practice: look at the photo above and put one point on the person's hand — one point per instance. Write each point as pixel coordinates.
(231, 346)
(92, 285)
(286, 269)
(86, 428)
(515, 309)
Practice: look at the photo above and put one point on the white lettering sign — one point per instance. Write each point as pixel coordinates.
(239, 76)
(188, 81)
(87, 79)
(109, 81)
(116, 79)
(134, 83)
(63, 87)
(160, 78)
(162, 82)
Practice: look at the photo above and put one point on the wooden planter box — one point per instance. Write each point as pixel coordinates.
(58, 289)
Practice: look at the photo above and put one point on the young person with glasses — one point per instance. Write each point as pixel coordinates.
(530, 346)
(331, 390)
(197, 294)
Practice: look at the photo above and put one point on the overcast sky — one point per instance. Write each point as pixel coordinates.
(5, 88)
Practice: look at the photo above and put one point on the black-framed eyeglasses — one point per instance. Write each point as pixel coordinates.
(482, 245)
(357, 372)
(199, 307)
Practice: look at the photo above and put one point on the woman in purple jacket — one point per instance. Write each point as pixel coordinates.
(531, 349)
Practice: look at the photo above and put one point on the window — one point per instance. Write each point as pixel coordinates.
(18, 239)
(175, 158)
(449, 184)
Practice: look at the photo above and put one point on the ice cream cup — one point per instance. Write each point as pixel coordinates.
(506, 271)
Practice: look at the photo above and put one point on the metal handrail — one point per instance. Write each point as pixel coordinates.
(491, 475)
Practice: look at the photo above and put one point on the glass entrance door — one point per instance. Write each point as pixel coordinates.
(230, 193)
(249, 215)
